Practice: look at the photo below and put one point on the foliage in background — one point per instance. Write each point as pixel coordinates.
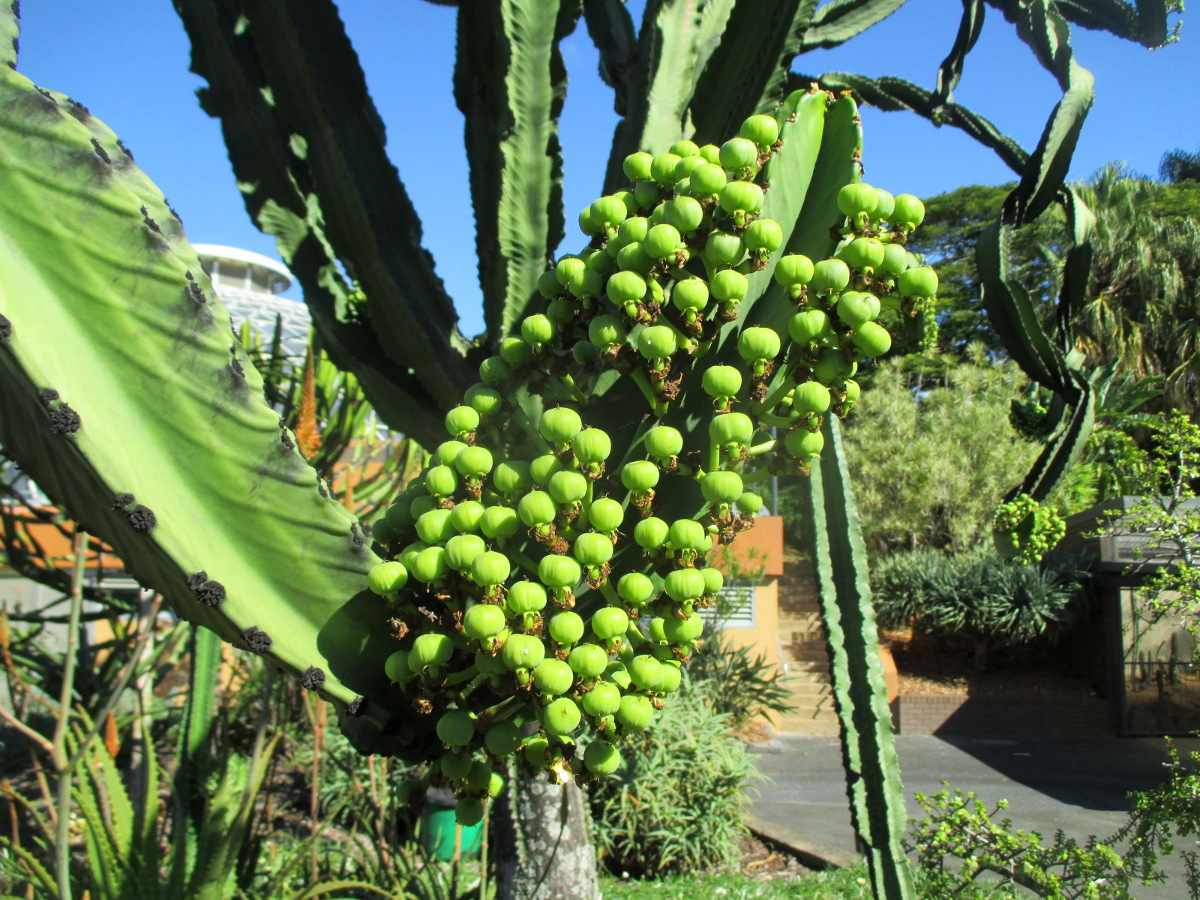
(675, 805)
(931, 452)
(959, 841)
(736, 681)
(979, 596)
(1165, 476)
(1139, 311)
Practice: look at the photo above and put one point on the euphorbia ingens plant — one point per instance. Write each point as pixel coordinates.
(542, 606)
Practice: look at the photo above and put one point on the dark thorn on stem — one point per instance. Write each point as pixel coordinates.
(356, 707)
(100, 152)
(64, 420)
(210, 593)
(142, 519)
(120, 501)
(256, 639)
(312, 679)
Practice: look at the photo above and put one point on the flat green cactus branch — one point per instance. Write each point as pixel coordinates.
(103, 305)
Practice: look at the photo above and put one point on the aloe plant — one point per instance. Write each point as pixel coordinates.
(128, 401)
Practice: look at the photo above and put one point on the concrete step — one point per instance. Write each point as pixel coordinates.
(813, 727)
(807, 666)
(806, 653)
(809, 689)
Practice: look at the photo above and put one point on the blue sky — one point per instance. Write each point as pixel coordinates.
(128, 62)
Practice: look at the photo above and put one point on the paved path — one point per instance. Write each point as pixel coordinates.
(1077, 785)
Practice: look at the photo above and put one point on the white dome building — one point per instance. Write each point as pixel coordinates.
(248, 284)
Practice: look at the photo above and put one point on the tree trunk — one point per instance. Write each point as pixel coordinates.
(543, 849)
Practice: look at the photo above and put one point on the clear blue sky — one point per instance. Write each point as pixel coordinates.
(128, 62)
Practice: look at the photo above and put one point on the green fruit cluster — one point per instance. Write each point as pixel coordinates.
(1024, 530)
(543, 607)
(1030, 419)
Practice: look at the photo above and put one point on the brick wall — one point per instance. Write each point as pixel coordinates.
(1038, 715)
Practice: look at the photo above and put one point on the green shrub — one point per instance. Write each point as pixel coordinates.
(978, 595)
(675, 805)
(735, 681)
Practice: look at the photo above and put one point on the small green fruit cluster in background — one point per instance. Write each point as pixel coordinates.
(1023, 530)
(1030, 419)
(543, 607)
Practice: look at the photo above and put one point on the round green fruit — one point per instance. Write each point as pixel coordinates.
(625, 287)
(490, 568)
(456, 728)
(553, 677)
(635, 712)
(635, 588)
(429, 565)
(811, 399)
(559, 571)
(855, 307)
(603, 699)
(430, 649)
(483, 621)
(729, 285)
(498, 522)
(731, 428)
(763, 130)
(462, 549)
(387, 578)
(512, 477)
(872, 339)
(526, 597)
(721, 488)
(722, 381)
(707, 179)
(739, 153)
(763, 236)
(560, 424)
(566, 627)
(691, 293)
(461, 420)
(601, 758)
(663, 442)
(468, 811)
(741, 197)
(502, 738)
(908, 212)
(588, 660)
(723, 249)
(396, 667)
(567, 486)
(522, 651)
(537, 508)
(656, 342)
(561, 717)
(687, 534)
(592, 549)
(758, 343)
(804, 444)
(683, 631)
(609, 623)
(606, 514)
(636, 166)
(651, 533)
(640, 475)
(809, 326)
(856, 199)
(830, 276)
(684, 584)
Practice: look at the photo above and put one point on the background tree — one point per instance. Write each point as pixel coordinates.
(932, 452)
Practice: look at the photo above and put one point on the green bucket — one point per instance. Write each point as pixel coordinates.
(437, 833)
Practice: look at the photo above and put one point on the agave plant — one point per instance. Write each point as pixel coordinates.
(128, 401)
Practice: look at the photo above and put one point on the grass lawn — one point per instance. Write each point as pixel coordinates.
(834, 884)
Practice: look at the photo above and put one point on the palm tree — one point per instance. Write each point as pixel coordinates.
(1142, 308)
(1180, 165)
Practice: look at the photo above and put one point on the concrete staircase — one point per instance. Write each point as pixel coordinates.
(802, 649)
